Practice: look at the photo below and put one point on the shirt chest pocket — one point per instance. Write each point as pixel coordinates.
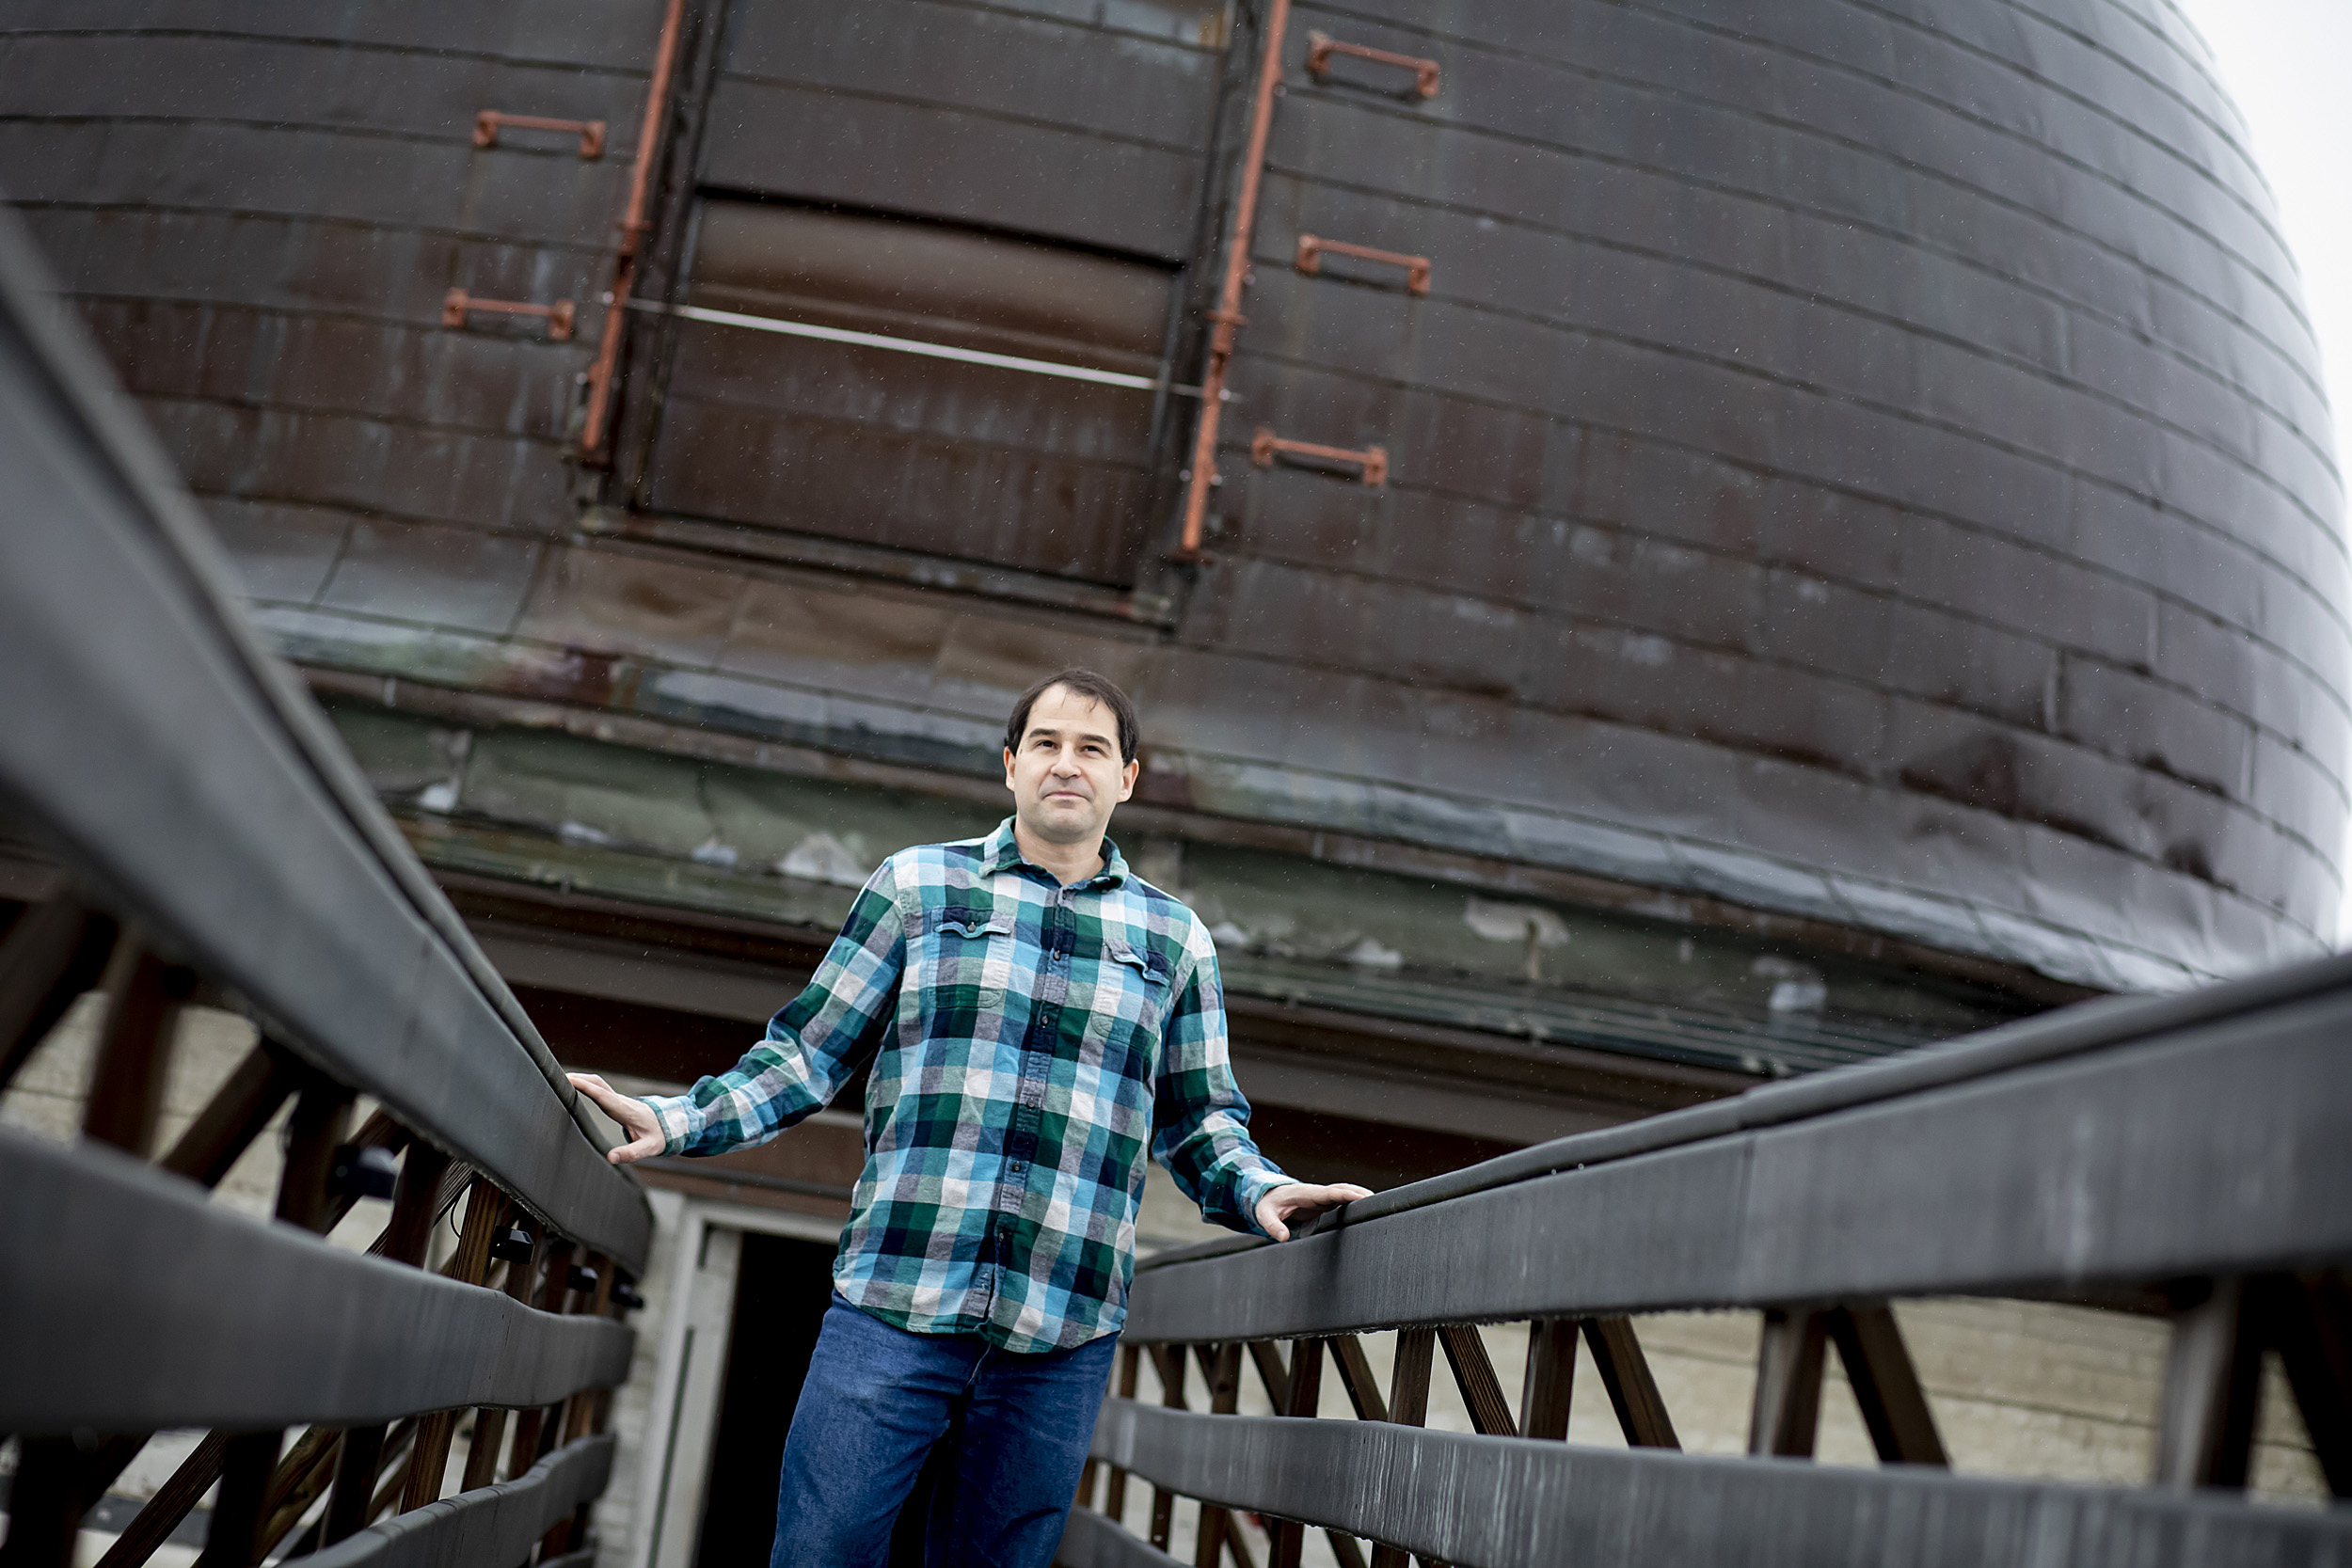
(969, 924)
(1133, 983)
(972, 950)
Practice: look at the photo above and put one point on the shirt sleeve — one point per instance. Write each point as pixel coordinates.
(1203, 1121)
(813, 1045)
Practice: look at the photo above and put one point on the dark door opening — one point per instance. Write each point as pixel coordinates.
(781, 1290)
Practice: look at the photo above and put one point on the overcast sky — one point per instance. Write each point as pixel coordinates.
(2289, 65)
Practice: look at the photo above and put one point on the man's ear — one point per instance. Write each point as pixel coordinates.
(1128, 778)
(1009, 768)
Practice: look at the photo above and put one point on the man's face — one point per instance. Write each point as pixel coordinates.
(1067, 773)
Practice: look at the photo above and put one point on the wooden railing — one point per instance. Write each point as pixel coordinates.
(2190, 1156)
(214, 843)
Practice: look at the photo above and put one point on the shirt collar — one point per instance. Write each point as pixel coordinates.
(1002, 852)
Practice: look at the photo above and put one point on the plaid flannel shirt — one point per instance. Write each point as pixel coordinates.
(1025, 1036)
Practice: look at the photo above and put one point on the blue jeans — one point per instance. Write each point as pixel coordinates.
(876, 1400)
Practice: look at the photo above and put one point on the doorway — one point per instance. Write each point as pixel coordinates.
(781, 1285)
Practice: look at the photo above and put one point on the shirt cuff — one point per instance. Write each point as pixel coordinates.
(1254, 1185)
(674, 1116)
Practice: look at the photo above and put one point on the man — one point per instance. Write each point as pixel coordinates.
(1031, 1008)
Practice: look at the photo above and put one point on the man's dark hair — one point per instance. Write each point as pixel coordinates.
(1082, 683)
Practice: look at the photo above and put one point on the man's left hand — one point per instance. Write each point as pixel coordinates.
(1301, 1201)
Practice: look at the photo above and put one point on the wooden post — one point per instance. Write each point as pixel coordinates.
(554, 1285)
(1168, 1361)
(1364, 1392)
(1632, 1392)
(247, 1463)
(1267, 1357)
(486, 1205)
(1306, 1391)
(1465, 1352)
(170, 1505)
(577, 1411)
(302, 1475)
(2313, 1327)
(233, 1117)
(2212, 1389)
(1551, 1380)
(322, 1116)
(489, 1425)
(1886, 1386)
(415, 1202)
(355, 1469)
(582, 1414)
(44, 1518)
(53, 954)
(1115, 1496)
(1787, 1412)
(1409, 1381)
(398, 1448)
(1220, 1367)
(126, 1090)
(1409, 1405)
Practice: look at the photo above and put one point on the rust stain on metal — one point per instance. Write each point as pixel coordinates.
(1227, 317)
(633, 226)
(1372, 461)
(1322, 46)
(1313, 246)
(487, 122)
(457, 304)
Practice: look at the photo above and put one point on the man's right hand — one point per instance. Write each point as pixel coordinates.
(635, 1116)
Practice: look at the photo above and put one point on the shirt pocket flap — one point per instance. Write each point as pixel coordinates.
(1153, 967)
(972, 923)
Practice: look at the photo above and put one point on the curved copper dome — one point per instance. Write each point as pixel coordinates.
(1866, 460)
(1863, 464)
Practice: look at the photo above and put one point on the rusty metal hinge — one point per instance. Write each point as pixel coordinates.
(591, 131)
(1313, 246)
(559, 317)
(1372, 461)
(1322, 46)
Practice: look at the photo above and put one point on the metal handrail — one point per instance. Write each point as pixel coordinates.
(212, 831)
(2065, 1031)
(282, 876)
(2182, 1154)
